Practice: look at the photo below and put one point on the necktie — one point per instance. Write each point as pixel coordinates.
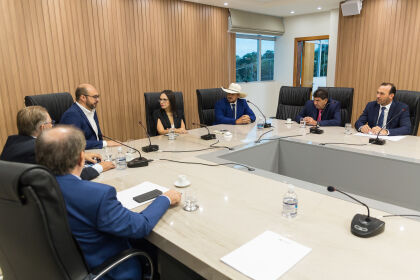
(233, 109)
(319, 116)
(381, 117)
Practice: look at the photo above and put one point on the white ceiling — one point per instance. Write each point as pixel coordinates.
(280, 8)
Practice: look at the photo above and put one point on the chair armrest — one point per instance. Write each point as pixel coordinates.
(101, 270)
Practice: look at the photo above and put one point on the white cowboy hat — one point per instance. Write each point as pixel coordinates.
(235, 89)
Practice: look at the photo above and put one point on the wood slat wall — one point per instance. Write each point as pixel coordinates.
(123, 47)
(379, 45)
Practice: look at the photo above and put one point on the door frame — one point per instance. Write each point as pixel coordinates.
(297, 40)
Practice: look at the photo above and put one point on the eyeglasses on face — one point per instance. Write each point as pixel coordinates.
(93, 96)
(52, 122)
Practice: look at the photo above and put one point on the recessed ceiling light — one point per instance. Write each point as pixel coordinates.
(226, 3)
(292, 12)
(319, 8)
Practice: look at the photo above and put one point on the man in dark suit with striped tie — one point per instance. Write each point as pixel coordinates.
(378, 113)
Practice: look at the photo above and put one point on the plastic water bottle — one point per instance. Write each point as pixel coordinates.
(260, 123)
(121, 160)
(290, 203)
(171, 135)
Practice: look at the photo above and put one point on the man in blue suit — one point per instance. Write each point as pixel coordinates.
(322, 110)
(82, 114)
(31, 122)
(233, 109)
(98, 221)
(378, 113)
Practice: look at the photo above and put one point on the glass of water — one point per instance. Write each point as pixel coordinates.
(302, 123)
(108, 154)
(190, 201)
(347, 128)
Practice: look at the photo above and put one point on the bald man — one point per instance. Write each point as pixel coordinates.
(82, 114)
(100, 224)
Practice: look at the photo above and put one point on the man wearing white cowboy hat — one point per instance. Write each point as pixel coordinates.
(233, 109)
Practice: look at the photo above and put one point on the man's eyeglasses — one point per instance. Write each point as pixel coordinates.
(93, 96)
(52, 122)
(163, 99)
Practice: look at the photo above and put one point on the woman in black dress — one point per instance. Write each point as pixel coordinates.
(168, 114)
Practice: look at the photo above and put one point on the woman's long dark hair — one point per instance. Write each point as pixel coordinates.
(172, 101)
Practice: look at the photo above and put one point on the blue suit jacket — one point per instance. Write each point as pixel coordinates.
(75, 116)
(330, 116)
(225, 115)
(102, 226)
(401, 125)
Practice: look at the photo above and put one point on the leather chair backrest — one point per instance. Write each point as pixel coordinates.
(412, 99)
(291, 101)
(345, 96)
(151, 100)
(36, 240)
(206, 99)
(55, 103)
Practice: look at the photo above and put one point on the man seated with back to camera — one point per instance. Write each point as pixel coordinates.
(98, 221)
(31, 122)
(322, 110)
(233, 109)
(169, 114)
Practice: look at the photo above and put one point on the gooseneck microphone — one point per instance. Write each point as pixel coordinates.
(266, 125)
(378, 141)
(137, 162)
(208, 136)
(150, 148)
(316, 129)
(362, 225)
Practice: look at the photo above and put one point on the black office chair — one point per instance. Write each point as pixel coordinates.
(206, 99)
(55, 103)
(345, 96)
(412, 99)
(151, 100)
(291, 101)
(36, 240)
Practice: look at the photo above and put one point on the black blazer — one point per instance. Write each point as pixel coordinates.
(161, 114)
(21, 148)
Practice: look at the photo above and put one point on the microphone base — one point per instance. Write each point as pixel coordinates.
(316, 130)
(362, 226)
(208, 136)
(377, 141)
(150, 148)
(267, 125)
(138, 162)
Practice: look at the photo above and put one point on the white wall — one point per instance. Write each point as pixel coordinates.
(265, 94)
(305, 26)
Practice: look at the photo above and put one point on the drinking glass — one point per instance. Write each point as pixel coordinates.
(347, 128)
(190, 201)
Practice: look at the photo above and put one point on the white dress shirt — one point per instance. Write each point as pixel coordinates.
(236, 107)
(387, 107)
(90, 116)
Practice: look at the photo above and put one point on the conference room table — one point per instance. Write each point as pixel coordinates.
(236, 205)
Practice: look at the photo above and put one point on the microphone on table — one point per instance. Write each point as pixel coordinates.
(362, 225)
(137, 162)
(378, 141)
(266, 125)
(208, 136)
(150, 148)
(316, 129)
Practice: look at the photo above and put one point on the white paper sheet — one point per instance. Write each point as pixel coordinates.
(126, 196)
(390, 138)
(266, 257)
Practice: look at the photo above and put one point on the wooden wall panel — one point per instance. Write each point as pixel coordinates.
(381, 44)
(123, 47)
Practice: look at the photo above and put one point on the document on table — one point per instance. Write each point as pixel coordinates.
(126, 196)
(390, 138)
(268, 256)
